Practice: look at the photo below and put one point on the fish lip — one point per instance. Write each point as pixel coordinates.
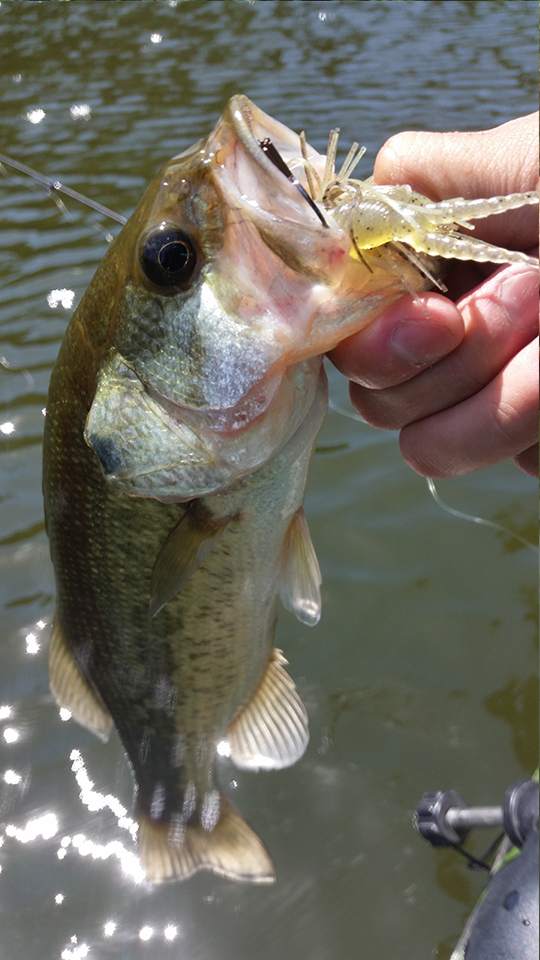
(243, 114)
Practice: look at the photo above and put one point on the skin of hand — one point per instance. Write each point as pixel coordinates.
(458, 374)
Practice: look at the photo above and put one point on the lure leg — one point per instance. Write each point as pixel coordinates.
(453, 246)
(459, 210)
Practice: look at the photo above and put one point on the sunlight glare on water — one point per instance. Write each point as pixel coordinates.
(96, 801)
(420, 674)
(45, 827)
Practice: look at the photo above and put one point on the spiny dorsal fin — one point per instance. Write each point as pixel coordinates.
(232, 849)
(183, 552)
(272, 730)
(71, 689)
(300, 575)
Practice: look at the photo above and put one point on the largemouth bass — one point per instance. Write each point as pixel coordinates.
(182, 415)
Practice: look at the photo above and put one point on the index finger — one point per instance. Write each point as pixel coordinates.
(471, 165)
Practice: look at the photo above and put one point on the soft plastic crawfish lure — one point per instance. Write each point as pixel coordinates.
(375, 215)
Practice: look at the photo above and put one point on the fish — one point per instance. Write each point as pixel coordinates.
(182, 415)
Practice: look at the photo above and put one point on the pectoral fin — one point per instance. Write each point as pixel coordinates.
(300, 575)
(272, 730)
(71, 689)
(183, 552)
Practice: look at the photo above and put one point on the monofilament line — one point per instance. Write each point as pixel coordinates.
(485, 523)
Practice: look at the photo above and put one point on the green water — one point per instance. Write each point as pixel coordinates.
(420, 674)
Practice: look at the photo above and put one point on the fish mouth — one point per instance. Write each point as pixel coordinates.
(275, 195)
(253, 126)
(254, 129)
(227, 377)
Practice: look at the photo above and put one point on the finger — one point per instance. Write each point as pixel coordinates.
(500, 318)
(497, 423)
(528, 461)
(444, 165)
(408, 337)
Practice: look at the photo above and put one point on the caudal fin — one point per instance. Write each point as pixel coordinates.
(232, 849)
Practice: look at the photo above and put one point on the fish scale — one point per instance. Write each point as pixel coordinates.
(182, 415)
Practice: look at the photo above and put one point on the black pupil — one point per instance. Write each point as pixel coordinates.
(168, 257)
(174, 256)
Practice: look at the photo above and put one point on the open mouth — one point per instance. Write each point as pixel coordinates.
(257, 131)
(278, 153)
(267, 174)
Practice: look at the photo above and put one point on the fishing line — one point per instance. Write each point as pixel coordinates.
(444, 506)
(268, 148)
(473, 862)
(485, 523)
(345, 413)
(61, 188)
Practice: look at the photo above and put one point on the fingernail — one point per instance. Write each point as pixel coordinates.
(421, 342)
(518, 293)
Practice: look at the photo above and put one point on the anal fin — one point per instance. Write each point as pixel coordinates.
(271, 731)
(300, 575)
(71, 689)
(232, 849)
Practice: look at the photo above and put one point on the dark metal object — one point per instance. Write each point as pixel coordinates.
(504, 924)
(520, 806)
(274, 156)
(431, 819)
(444, 819)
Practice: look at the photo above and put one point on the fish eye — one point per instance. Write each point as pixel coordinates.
(168, 257)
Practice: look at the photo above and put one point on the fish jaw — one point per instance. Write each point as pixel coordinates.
(200, 385)
(209, 363)
(150, 447)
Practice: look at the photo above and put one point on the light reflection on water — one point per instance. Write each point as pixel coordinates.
(94, 800)
(45, 827)
(11, 776)
(419, 675)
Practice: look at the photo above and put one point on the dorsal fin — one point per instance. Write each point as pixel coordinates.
(183, 552)
(71, 689)
(272, 729)
(300, 575)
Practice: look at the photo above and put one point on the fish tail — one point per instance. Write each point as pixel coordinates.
(172, 851)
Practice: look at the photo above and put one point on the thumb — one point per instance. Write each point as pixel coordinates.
(486, 163)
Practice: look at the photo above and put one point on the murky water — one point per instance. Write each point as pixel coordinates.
(419, 675)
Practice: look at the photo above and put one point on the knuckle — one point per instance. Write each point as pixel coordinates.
(377, 407)
(511, 425)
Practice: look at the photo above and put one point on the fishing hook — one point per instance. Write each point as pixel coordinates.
(269, 149)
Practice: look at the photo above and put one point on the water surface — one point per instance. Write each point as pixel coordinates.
(420, 674)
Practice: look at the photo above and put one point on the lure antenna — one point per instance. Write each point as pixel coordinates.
(61, 188)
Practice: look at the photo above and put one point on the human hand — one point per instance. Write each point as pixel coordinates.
(458, 374)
